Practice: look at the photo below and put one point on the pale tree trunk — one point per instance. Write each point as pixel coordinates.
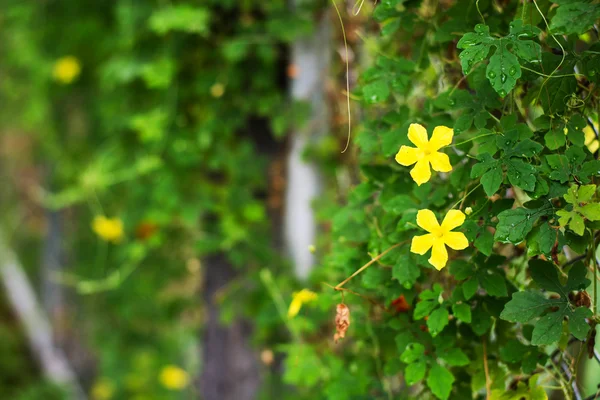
(311, 59)
(38, 330)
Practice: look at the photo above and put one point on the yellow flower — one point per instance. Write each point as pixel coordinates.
(66, 69)
(298, 299)
(590, 139)
(174, 378)
(217, 90)
(109, 229)
(103, 389)
(439, 236)
(426, 152)
(468, 211)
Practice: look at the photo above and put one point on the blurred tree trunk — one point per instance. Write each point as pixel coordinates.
(310, 60)
(230, 367)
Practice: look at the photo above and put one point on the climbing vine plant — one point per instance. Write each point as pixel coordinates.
(467, 255)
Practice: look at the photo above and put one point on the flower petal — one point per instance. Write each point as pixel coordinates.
(456, 240)
(418, 135)
(453, 219)
(442, 136)
(295, 306)
(426, 219)
(408, 155)
(420, 244)
(440, 162)
(439, 255)
(421, 173)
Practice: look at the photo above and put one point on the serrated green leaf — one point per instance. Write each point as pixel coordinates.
(454, 357)
(406, 270)
(574, 17)
(440, 381)
(415, 372)
(578, 326)
(520, 173)
(514, 225)
(555, 139)
(462, 312)
(503, 69)
(437, 321)
(525, 306)
(470, 288)
(548, 329)
(493, 283)
(413, 352)
(376, 92)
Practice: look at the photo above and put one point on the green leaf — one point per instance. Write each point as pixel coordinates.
(548, 329)
(413, 352)
(493, 283)
(454, 357)
(470, 288)
(574, 17)
(492, 179)
(424, 308)
(415, 372)
(406, 270)
(180, 17)
(560, 167)
(437, 321)
(485, 242)
(556, 93)
(525, 306)
(513, 351)
(514, 225)
(376, 92)
(503, 69)
(555, 139)
(520, 173)
(440, 381)
(462, 312)
(578, 326)
(476, 47)
(461, 269)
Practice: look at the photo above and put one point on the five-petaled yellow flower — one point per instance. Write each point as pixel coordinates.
(109, 229)
(174, 378)
(426, 152)
(66, 69)
(439, 236)
(298, 299)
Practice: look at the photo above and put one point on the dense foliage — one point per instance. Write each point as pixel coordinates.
(517, 82)
(148, 127)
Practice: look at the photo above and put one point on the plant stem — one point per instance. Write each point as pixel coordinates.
(367, 265)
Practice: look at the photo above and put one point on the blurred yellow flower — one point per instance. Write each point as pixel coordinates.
(591, 141)
(217, 90)
(468, 211)
(426, 152)
(298, 299)
(109, 229)
(439, 236)
(174, 378)
(103, 389)
(66, 69)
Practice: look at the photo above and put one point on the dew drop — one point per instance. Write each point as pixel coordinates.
(502, 93)
(452, 102)
(512, 71)
(503, 77)
(491, 74)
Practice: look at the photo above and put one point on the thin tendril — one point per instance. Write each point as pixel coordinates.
(360, 4)
(337, 11)
(557, 42)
